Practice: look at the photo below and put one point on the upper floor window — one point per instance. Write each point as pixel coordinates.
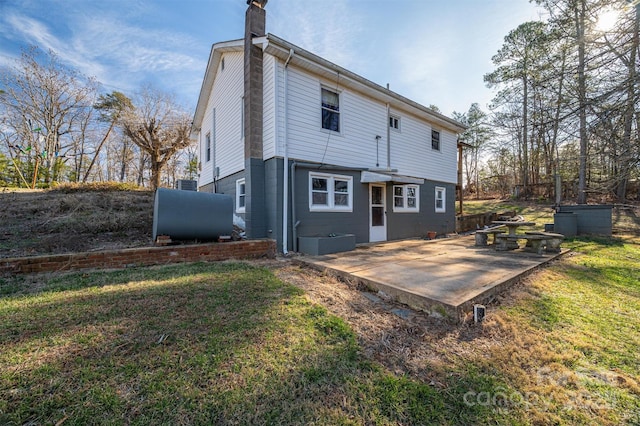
(330, 192)
(207, 147)
(241, 195)
(441, 198)
(330, 110)
(394, 122)
(435, 140)
(405, 198)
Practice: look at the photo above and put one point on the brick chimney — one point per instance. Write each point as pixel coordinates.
(255, 216)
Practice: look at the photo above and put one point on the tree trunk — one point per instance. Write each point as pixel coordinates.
(625, 166)
(93, 160)
(525, 130)
(156, 169)
(582, 99)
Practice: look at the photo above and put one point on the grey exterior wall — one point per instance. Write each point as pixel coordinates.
(399, 225)
(273, 200)
(271, 215)
(311, 224)
(206, 188)
(227, 185)
(411, 225)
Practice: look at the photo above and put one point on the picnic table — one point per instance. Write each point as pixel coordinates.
(510, 240)
(513, 225)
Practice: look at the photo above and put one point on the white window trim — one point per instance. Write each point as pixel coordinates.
(443, 209)
(439, 140)
(404, 208)
(339, 93)
(239, 184)
(396, 117)
(207, 147)
(331, 207)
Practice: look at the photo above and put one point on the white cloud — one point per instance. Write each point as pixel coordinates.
(327, 29)
(106, 46)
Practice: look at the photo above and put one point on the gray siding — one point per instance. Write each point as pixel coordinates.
(273, 200)
(272, 214)
(324, 223)
(412, 225)
(399, 225)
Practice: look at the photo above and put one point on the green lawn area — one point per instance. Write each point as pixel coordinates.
(230, 343)
(540, 213)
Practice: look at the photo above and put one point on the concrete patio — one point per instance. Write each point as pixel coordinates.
(442, 277)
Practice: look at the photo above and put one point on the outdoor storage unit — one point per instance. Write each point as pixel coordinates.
(565, 224)
(187, 185)
(592, 219)
(189, 215)
(328, 244)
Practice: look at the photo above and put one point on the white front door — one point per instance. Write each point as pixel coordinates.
(377, 213)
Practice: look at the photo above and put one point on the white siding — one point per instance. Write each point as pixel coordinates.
(269, 108)
(226, 98)
(362, 119)
(412, 155)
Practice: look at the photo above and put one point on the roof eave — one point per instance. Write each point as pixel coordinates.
(281, 48)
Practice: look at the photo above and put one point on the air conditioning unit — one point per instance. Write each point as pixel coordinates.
(187, 185)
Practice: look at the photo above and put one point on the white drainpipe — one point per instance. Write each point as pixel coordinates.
(285, 169)
(388, 138)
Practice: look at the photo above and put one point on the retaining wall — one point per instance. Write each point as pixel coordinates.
(472, 222)
(145, 256)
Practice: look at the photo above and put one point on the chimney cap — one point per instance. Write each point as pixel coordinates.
(260, 3)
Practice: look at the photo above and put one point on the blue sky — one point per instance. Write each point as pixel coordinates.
(431, 51)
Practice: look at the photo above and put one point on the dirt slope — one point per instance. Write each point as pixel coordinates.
(64, 221)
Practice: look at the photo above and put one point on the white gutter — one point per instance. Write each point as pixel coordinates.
(388, 138)
(285, 168)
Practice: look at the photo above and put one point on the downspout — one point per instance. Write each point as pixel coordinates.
(294, 217)
(212, 149)
(285, 168)
(388, 139)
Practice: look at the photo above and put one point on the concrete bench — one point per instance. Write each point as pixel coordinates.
(483, 234)
(536, 243)
(553, 240)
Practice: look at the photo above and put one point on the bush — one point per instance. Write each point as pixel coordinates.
(95, 186)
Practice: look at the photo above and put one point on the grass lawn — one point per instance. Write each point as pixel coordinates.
(539, 213)
(197, 344)
(230, 343)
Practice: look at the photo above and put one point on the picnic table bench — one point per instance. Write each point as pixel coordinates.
(553, 240)
(536, 241)
(483, 234)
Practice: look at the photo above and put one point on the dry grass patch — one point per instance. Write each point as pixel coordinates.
(73, 219)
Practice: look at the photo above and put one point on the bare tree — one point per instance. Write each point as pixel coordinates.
(159, 126)
(43, 102)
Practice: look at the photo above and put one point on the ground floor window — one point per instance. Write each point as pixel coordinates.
(330, 192)
(405, 198)
(241, 195)
(441, 196)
